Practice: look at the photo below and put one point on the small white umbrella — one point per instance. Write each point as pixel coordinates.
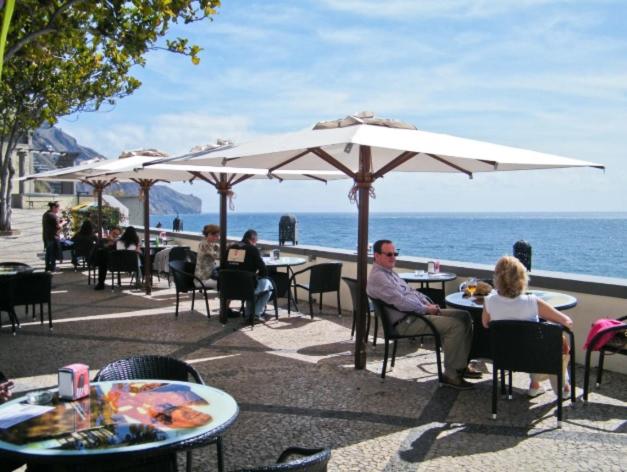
(365, 148)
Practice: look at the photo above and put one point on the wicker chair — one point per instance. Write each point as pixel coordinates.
(33, 288)
(352, 287)
(123, 260)
(322, 278)
(390, 317)
(529, 346)
(240, 285)
(620, 348)
(185, 281)
(309, 460)
(155, 367)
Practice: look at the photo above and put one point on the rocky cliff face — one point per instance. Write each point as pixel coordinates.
(163, 199)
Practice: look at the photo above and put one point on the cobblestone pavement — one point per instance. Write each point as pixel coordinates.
(295, 384)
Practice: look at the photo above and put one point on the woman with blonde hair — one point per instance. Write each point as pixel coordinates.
(511, 302)
(208, 255)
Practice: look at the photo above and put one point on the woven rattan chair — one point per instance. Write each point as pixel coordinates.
(619, 348)
(529, 346)
(33, 288)
(352, 287)
(323, 278)
(390, 317)
(240, 285)
(185, 281)
(307, 460)
(158, 368)
(123, 261)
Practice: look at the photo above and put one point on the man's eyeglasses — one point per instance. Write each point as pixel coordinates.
(390, 254)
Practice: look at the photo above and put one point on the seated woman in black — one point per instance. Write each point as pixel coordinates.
(84, 237)
(251, 261)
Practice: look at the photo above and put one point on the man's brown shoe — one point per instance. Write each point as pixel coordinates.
(457, 384)
(470, 373)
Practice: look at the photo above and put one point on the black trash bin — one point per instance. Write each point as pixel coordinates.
(522, 252)
(288, 230)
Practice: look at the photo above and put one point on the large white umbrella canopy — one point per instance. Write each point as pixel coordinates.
(365, 148)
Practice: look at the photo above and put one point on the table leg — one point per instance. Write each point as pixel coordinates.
(220, 454)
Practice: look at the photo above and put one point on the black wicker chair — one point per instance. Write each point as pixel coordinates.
(352, 287)
(240, 285)
(308, 460)
(33, 288)
(390, 317)
(323, 278)
(185, 281)
(618, 348)
(6, 302)
(529, 346)
(181, 253)
(83, 253)
(158, 368)
(123, 261)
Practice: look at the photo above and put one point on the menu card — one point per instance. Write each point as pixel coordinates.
(18, 412)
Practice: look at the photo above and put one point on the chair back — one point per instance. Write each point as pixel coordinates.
(84, 248)
(237, 284)
(526, 346)
(325, 277)
(181, 253)
(33, 287)
(123, 260)
(352, 288)
(307, 460)
(183, 275)
(389, 316)
(149, 367)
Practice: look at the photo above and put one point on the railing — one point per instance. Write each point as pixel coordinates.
(597, 297)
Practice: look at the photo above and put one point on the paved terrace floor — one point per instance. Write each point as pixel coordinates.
(295, 384)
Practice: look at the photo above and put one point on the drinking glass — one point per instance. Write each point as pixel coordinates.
(471, 285)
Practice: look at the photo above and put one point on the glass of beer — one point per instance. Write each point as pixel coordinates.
(471, 285)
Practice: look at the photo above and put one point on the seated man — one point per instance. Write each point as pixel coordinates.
(249, 258)
(454, 326)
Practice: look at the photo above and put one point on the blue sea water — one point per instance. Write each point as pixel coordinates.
(585, 243)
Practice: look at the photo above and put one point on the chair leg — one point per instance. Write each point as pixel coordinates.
(376, 331)
(41, 313)
(220, 452)
(311, 306)
(560, 392)
(207, 304)
(600, 367)
(193, 299)
(586, 375)
(509, 392)
(339, 306)
(385, 357)
(502, 381)
(276, 304)
(354, 324)
(49, 315)
(495, 382)
(394, 353)
(438, 358)
(176, 312)
(320, 307)
(573, 398)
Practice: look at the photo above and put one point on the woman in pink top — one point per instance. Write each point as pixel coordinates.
(510, 302)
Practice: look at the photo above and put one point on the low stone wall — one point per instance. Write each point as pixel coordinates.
(597, 297)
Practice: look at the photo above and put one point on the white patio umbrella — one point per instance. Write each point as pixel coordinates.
(222, 179)
(365, 148)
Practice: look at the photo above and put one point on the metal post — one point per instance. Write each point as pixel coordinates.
(223, 189)
(363, 182)
(145, 185)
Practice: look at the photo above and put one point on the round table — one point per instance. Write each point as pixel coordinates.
(480, 336)
(117, 421)
(281, 279)
(427, 277)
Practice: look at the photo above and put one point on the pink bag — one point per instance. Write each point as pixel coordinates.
(598, 326)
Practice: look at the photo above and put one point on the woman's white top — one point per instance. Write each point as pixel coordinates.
(522, 308)
(119, 245)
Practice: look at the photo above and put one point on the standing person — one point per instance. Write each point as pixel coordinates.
(176, 223)
(510, 302)
(208, 256)
(51, 226)
(252, 262)
(454, 326)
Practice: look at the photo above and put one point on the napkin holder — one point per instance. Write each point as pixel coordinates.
(73, 381)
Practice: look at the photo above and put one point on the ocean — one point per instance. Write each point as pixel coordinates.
(584, 243)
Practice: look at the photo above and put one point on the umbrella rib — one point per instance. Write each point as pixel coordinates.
(241, 179)
(394, 163)
(200, 176)
(334, 162)
(450, 164)
(290, 160)
(316, 178)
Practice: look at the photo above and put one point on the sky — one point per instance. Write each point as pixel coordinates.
(546, 75)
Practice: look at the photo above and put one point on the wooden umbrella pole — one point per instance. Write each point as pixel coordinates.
(145, 186)
(223, 189)
(364, 183)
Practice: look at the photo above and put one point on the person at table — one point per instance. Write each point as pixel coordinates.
(245, 255)
(129, 240)
(510, 302)
(208, 255)
(111, 243)
(84, 235)
(454, 326)
(52, 226)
